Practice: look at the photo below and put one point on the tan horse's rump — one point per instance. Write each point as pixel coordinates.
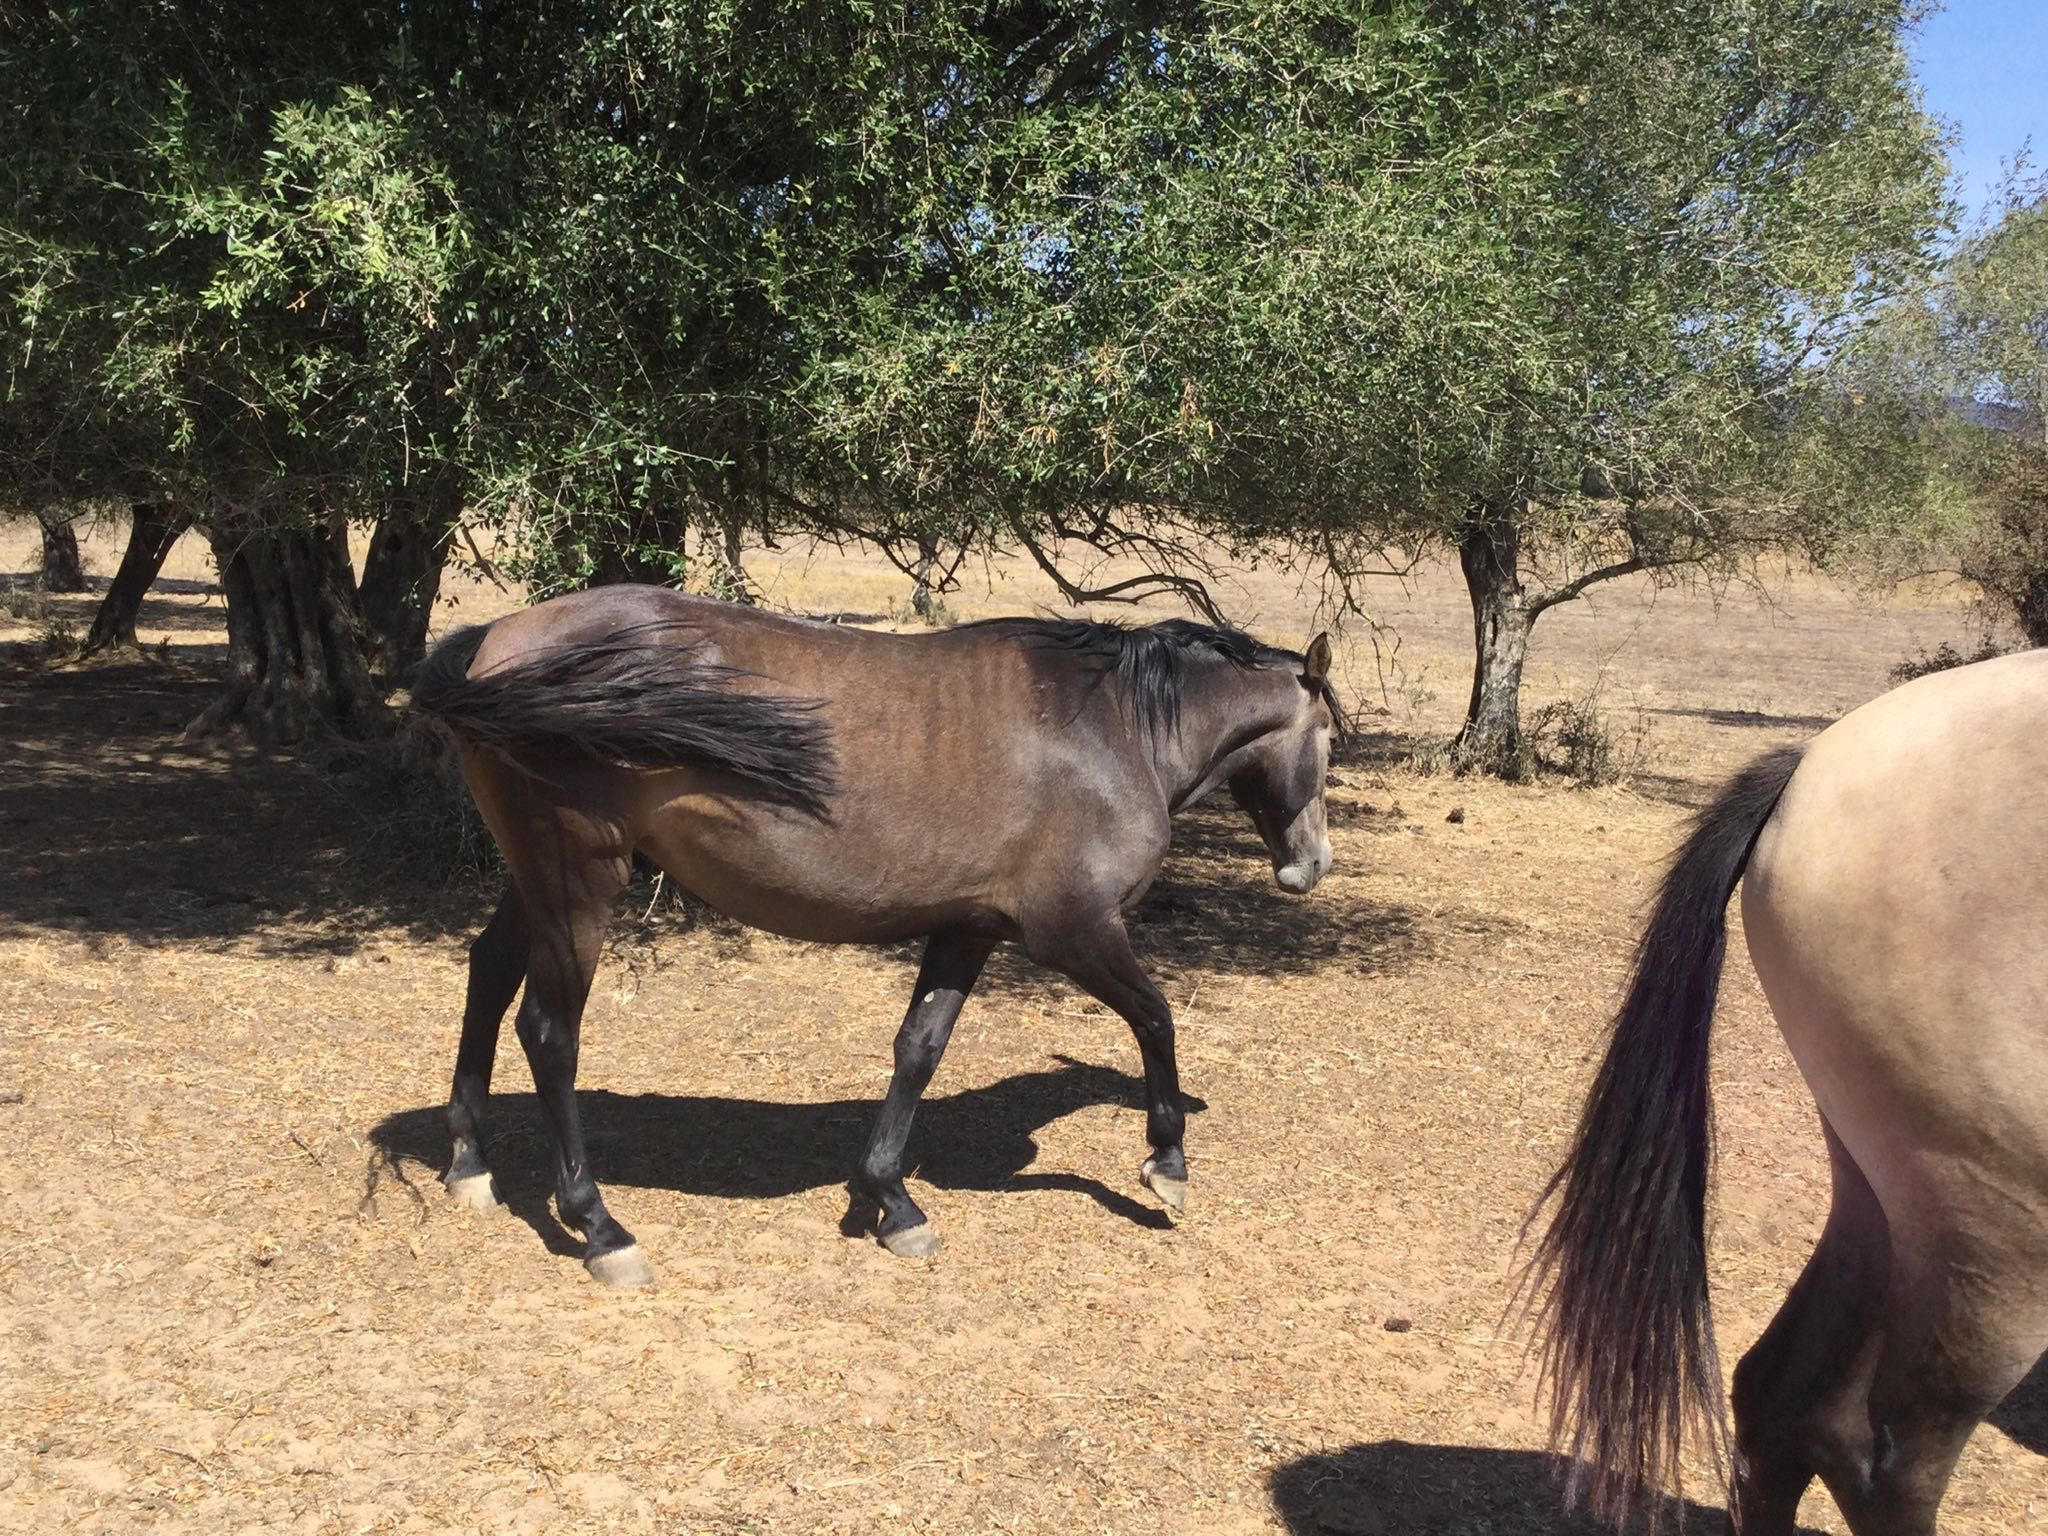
(1895, 901)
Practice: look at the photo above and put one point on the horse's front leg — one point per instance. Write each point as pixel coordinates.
(1097, 955)
(952, 963)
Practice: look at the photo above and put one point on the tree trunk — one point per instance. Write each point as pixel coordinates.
(924, 597)
(1490, 551)
(614, 566)
(297, 664)
(402, 577)
(732, 580)
(63, 570)
(154, 531)
(2032, 609)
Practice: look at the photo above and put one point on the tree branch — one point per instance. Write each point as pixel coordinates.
(1131, 589)
(1572, 589)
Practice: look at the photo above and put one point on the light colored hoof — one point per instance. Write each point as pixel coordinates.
(1172, 1193)
(918, 1242)
(477, 1192)
(621, 1267)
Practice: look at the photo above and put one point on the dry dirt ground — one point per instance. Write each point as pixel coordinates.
(232, 1298)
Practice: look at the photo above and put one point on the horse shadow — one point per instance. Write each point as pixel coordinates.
(2023, 1416)
(760, 1149)
(1396, 1488)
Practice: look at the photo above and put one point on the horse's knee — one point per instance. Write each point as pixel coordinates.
(878, 1172)
(1898, 1488)
(546, 1039)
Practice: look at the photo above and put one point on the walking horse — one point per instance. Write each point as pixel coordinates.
(1008, 781)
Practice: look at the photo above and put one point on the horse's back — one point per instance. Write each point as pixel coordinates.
(1896, 908)
(965, 768)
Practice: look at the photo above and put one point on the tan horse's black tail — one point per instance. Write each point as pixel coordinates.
(637, 700)
(1620, 1277)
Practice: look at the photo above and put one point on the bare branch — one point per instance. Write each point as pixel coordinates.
(1572, 589)
(1131, 589)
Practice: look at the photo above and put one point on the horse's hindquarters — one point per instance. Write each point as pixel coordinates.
(1896, 910)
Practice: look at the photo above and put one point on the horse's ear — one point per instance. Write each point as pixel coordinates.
(1317, 668)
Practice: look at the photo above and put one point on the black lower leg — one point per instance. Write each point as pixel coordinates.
(548, 1030)
(1166, 1171)
(497, 965)
(952, 962)
(1100, 959)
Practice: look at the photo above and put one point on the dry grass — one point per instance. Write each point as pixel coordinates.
(234, 1300)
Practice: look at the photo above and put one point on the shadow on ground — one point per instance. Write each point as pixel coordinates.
(2023, 1415)
(1393, 1488)
(113, 825)
(759, 1149)
(157, 617)
(1751, 719)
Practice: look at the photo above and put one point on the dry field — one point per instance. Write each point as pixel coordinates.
(231, 1298)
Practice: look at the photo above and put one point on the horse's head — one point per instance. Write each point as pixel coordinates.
(1278, 778)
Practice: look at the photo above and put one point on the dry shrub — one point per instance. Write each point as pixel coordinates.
(2009, 560)
(1569, 739)
(1572, 739)
(25, 604)
(415, 810)
(1941, 658)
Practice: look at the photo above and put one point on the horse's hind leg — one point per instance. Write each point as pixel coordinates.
(1887, 1354)
(1099, 957)
(1800, 1391)
(497, 965)
(562, 951)
(1964, 1323)
(952, 963)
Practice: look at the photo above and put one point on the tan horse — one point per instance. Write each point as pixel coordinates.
(1008, 781)
(1896, 906)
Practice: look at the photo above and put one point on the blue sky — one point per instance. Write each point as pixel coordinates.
(1984, 67)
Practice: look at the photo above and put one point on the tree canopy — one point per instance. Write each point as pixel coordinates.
(1945, 402)
(1165, 278)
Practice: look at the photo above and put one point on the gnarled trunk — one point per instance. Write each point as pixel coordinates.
(297, 662)
(63, 570)
(925, 578)
(154, 530)
(732, 581)
(1489, 550)
(402, 577)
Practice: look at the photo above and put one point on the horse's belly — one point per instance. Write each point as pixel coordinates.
(822, 884)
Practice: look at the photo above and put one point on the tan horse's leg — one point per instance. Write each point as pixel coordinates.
(1800, 1391)
(1964, 1322)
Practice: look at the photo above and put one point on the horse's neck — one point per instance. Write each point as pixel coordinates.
(1222, 708)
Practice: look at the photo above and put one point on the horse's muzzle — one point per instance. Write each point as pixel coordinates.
(1300, 876)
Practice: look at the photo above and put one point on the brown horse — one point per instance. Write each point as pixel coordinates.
(1011, 780)
(1895, 902)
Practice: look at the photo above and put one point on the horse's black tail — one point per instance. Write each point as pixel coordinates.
(1620, 1278)
(636, 700)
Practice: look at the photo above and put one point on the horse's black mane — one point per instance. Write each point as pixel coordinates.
(1150, 663)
